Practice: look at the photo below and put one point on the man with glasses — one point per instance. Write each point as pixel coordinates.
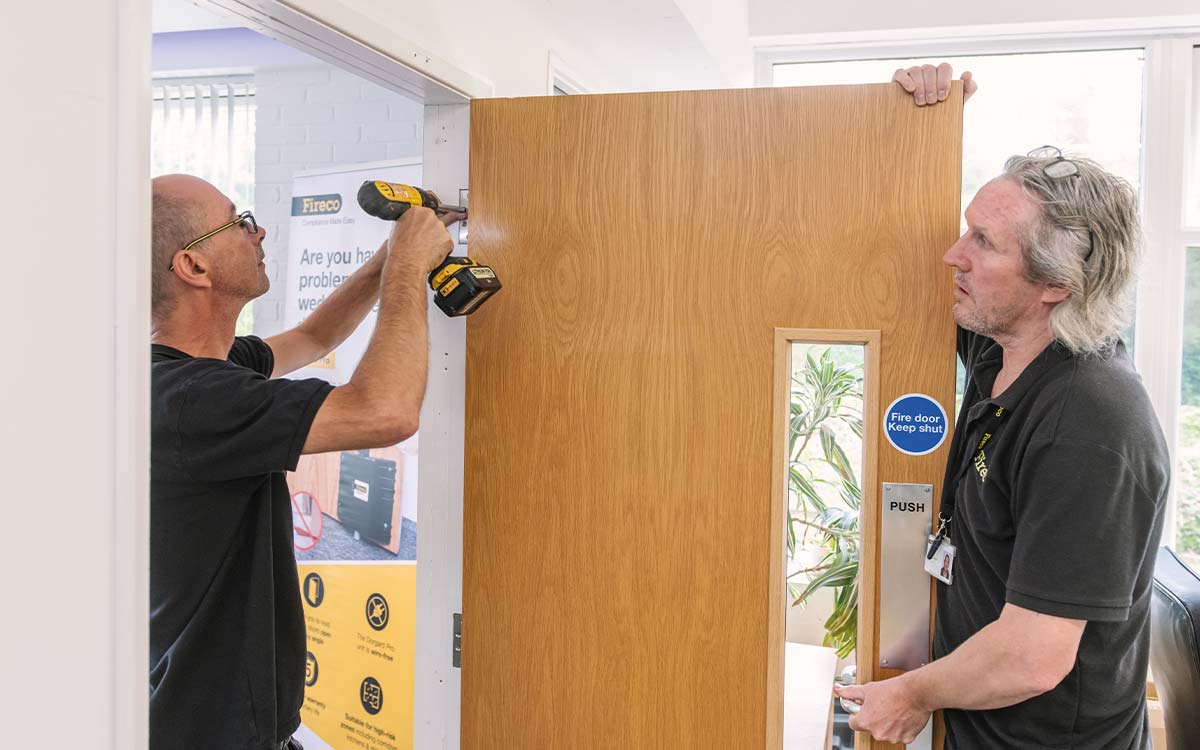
(1053, 497)
(227, 637)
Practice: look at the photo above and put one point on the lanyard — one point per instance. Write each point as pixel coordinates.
(946, 512)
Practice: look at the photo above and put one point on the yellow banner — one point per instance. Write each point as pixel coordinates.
(361, 640)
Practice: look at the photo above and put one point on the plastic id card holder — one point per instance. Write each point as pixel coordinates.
(941, 565)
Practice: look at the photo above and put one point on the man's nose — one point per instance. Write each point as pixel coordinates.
(955, 257)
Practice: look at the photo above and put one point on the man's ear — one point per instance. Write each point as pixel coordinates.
(191, 268)
(1052, 294)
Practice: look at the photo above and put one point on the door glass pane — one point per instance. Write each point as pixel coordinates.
(1187, 482)
(825, 468)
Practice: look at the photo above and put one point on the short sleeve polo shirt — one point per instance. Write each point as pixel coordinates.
(1058, 486)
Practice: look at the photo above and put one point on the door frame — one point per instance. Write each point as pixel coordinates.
(334, 33)
(349, 40)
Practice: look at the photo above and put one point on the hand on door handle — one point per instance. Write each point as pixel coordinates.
(847, 677)
(887, 709)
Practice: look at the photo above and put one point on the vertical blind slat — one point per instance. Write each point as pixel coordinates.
(205, 127)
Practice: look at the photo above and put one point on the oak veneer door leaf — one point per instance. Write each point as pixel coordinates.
(617, 588)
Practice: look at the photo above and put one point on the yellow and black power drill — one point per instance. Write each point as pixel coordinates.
(460, 285)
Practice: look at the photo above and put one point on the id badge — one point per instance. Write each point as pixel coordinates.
(941, 565)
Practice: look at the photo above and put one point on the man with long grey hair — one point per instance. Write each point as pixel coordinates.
(1052, 505)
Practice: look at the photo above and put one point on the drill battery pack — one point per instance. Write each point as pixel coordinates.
(460, 285)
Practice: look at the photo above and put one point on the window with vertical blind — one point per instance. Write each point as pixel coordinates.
(205, 127)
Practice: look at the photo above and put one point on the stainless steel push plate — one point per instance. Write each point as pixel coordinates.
(903, 583)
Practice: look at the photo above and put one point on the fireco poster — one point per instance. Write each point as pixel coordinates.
(354, 513)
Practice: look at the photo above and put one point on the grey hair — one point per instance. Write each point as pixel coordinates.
(174, 223)
(1094, 211)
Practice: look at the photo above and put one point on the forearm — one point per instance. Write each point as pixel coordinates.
(989, 670)
(393, 369)
(335, 319)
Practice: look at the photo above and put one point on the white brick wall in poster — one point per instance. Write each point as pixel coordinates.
(311, 117)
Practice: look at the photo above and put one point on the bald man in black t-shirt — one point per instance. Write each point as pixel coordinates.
(227, 637)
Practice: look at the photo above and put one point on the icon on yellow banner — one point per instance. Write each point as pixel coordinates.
(371, 695)
(310, 670)
(314, 590)
(377, 611)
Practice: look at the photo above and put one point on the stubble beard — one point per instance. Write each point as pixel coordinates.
(982, 323)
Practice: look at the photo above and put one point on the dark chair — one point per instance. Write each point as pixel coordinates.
(1175, 648)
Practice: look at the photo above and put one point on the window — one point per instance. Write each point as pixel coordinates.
(1187, 471)
(1192, 209)
(1187, 448)
(205, 127)
(1098, 114)
(1123, 104)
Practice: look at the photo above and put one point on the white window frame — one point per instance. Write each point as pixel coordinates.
(1169, 70)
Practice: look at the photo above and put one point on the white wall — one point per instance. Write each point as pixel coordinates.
(784, 17)
(307, 118)
(723, 27)
(75, 316)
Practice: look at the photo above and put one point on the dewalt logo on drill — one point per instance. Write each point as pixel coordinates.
(315, 205)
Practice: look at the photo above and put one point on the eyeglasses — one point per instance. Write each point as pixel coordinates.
(244, 218)
(1059, 168)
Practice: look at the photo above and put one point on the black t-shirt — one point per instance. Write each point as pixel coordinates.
(1060, 512)
(227, 639)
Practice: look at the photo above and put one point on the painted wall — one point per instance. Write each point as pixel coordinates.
(723, 27)
(778, 17)
(75, 315)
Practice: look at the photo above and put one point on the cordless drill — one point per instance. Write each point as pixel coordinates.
(460, 285)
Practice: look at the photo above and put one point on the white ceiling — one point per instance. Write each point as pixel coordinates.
(181, 15)
(647, 41)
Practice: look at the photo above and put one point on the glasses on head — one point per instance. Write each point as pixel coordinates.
(1059, 167)
(245, 218)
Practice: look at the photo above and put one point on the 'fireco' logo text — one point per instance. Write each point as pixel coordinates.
(981, 465)
(314, 205)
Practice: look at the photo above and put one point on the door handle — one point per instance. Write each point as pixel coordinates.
(849, 676)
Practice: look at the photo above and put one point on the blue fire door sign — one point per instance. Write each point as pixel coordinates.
(915, 424)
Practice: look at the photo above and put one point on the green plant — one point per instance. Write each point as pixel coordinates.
(824, 394)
